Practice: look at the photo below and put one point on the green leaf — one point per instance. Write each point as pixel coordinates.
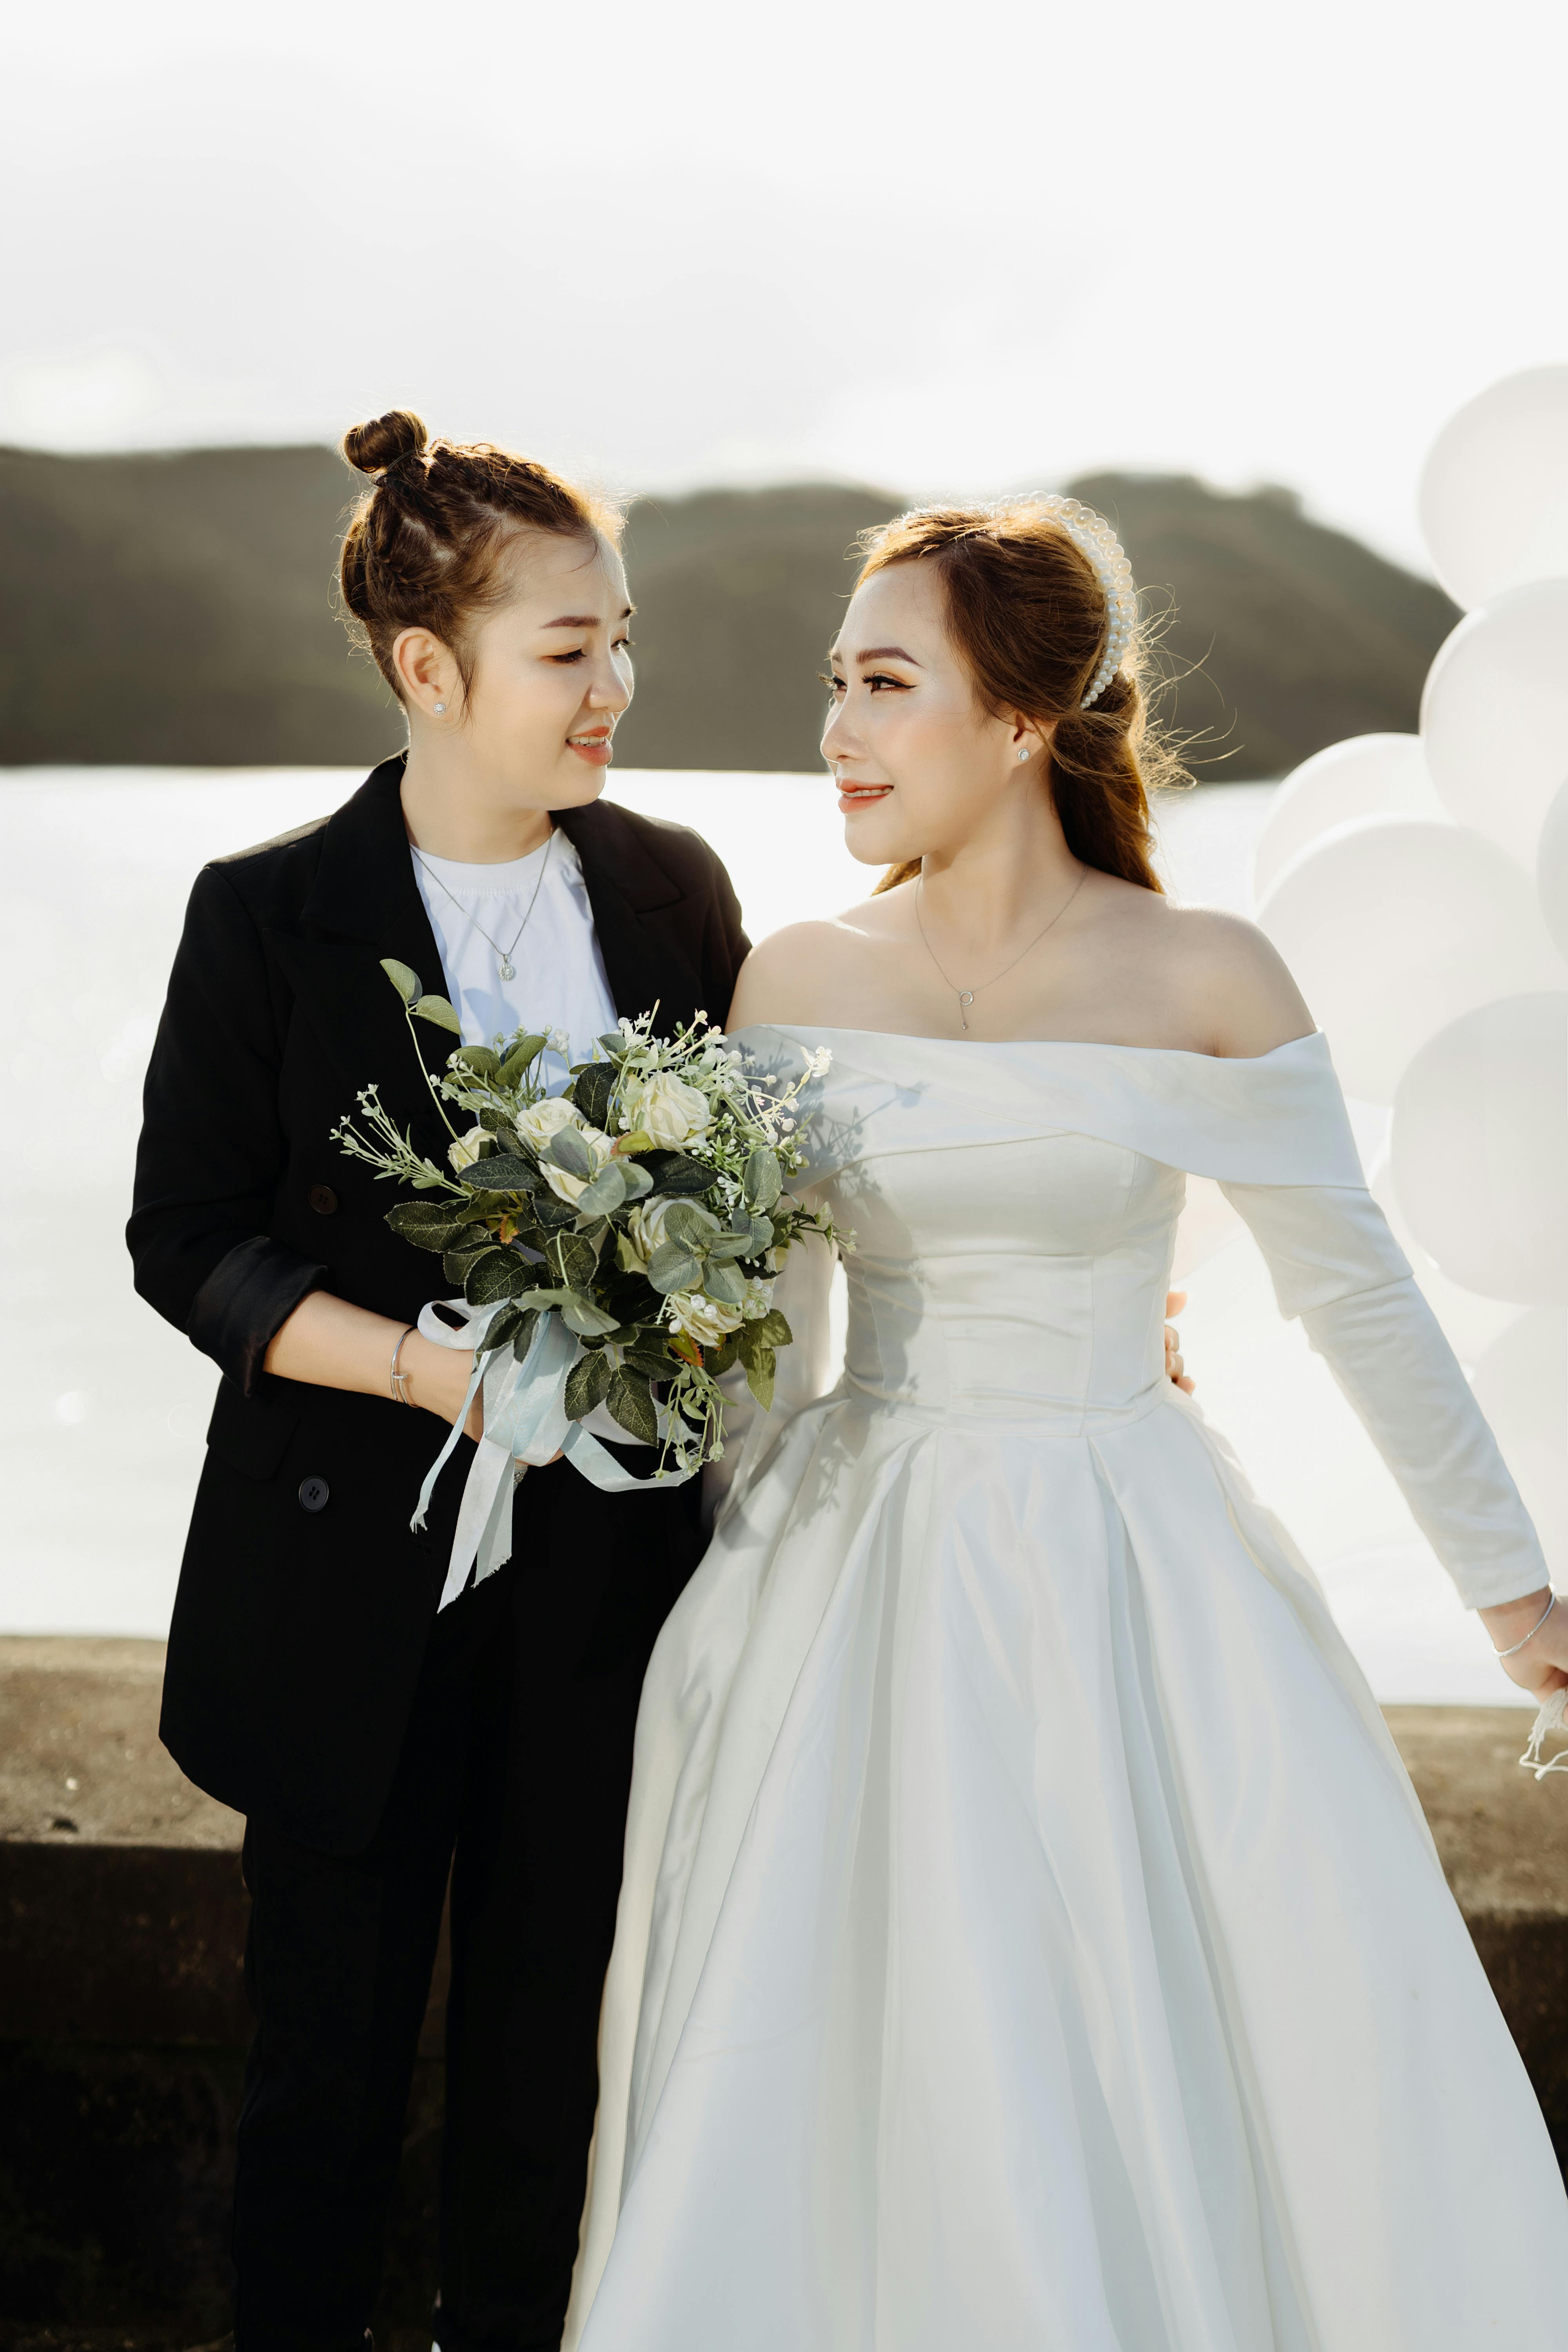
(522, 1337)
(403, 979)
(591, 1092)
(589, 1322)
(772, 1328)
(498, 1274)
(567, 1150)
(437, 1009)
(430, 1224)
(690, 1223)
(650, 1355)
(573, 1259)
(504, 1327)
(719, 1360)
(483, 1063)
(760, 1369)
(587, 1384)
(457, 1262)
(724, 1282)
(613, 1044)
(727, 1247)
(555, 1216)
(674, 1172)
(521, 1060)
(673, 1268)
(762, 1182)
(633, 1406)
(504, 1172)
(605, 1194)
(635, 1179)
(761, 1235)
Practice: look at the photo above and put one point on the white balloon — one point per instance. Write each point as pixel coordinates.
(1521, 1386)
(1369, 776)
(1478, 1144)
(1470, 1323)
(1392, 928)
(1551, 871)
(1494, 715)
(1493, 501)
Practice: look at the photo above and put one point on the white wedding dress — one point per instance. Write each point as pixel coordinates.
(1030, 1941)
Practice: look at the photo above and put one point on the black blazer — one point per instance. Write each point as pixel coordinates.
(305, 1602)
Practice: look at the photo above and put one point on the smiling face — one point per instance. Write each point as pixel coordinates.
(550, 674)
(921, 763)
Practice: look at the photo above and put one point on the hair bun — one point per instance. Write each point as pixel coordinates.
(398, 433)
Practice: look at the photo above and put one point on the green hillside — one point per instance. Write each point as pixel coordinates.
(178, 610)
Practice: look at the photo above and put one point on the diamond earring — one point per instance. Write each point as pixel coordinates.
(440, 707)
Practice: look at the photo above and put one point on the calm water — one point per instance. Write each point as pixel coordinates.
(103, 1406)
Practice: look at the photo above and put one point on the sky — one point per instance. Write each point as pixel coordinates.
(944, 249)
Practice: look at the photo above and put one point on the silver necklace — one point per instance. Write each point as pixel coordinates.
(967, 996)
(503, 955)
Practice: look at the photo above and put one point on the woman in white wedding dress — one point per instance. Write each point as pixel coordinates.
(1029, 1937)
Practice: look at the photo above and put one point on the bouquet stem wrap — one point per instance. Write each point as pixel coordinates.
(525, 1421)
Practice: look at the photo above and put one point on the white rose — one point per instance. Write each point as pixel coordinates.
(561, 1182)
(466, 1150)
(541, 1120)
(644, 1226)
(706, 1320)
(666, 1107)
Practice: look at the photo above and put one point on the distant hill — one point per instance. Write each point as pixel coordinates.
(177, 610)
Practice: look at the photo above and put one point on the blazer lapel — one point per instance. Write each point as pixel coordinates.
(364, 905)
(649, 929)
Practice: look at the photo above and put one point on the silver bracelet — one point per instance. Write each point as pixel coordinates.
(400, 1379)
(1532, 1633)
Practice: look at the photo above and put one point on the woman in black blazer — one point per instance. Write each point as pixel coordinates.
(372, 1746)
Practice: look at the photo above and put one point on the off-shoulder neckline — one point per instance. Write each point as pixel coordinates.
(1036, 1045)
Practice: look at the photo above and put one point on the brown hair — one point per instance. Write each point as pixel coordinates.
(1026, 612)
(426, 548)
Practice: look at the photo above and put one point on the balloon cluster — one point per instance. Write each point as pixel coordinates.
(1418, 888)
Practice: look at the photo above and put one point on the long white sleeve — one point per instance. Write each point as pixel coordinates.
(1335, 1265)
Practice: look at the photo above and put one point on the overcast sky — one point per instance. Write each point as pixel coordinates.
(954, 247)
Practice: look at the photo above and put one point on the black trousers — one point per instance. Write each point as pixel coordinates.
(513, 1777)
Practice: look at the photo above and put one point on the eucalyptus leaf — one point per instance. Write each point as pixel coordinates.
(723, 1282)
(587, 1384)
(638, 1183)
(633, 1406)
(673, 1268)
(438, 1010)
(613, 1044)
(762, 1182)
(687, 1223)
(762, 1235)
(727, 1247)
(581, 1315)
(406, 981)
(605, 1194)
(566, 1148)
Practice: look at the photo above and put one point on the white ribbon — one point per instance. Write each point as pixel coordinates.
(1552, 1723)
(525, 1421)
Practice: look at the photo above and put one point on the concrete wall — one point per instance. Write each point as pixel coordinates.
(122, 2015)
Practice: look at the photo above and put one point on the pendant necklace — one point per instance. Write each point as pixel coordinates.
(503, 955)
(967, 996)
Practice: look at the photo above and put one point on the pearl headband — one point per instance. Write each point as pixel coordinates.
(1094, 535)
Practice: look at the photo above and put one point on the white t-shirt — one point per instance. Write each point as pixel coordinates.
(558, 974)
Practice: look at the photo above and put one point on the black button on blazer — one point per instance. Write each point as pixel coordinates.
(298, 1633)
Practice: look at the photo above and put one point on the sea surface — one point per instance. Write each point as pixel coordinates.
(103, 1406)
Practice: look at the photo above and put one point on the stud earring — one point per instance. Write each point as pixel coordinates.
(1023, 752)
(440, 707)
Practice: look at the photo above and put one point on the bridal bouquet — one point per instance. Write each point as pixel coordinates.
(615, 1243)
